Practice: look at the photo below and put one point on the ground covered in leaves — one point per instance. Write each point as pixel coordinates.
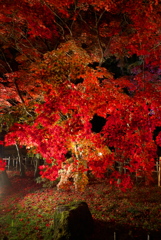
(26, 210)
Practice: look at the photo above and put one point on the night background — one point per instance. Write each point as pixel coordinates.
(80, 119)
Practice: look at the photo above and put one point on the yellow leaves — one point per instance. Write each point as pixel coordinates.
(80, 181)
(85, 151)
(67, 63)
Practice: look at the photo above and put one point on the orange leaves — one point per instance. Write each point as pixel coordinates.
(101, 4)
(52, 45)
(110, 29)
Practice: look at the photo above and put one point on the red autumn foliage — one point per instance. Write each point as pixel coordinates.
(47, 46)
(2, 165)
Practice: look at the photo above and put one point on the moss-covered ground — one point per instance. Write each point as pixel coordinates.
(27, 209)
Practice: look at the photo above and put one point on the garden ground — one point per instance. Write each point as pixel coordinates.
(27, 209)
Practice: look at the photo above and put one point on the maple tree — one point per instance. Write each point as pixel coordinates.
(55, 84)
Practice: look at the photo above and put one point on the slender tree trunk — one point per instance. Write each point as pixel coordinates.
(21, 165)
(37, 171)
(120, 167)
(159, 172)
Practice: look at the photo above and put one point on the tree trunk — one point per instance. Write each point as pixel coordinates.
(21, 165)
(159, 172)
(120, 167)
(37, 171)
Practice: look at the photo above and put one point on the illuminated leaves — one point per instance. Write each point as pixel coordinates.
(54, 90)
(62, 121)
(2, 165)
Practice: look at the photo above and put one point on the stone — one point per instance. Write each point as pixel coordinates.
(73, 222)
(4, 179)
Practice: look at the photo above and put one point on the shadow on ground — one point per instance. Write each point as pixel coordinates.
(108, 231)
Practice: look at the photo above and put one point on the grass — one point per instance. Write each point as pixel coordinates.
(27, 209)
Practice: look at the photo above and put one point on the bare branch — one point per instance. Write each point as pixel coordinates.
(48, 6)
